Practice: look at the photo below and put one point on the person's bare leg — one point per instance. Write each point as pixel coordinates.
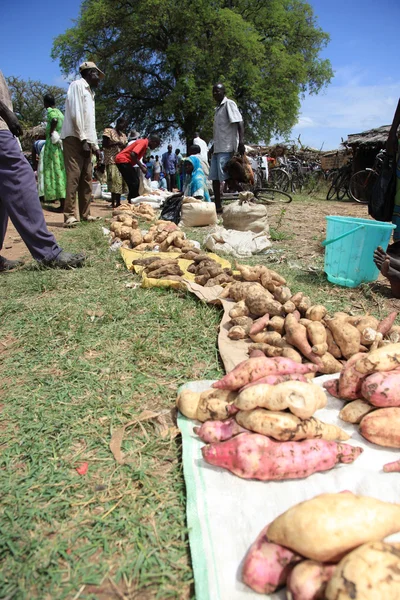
(380, 256)
(393, 276)
(217, 195)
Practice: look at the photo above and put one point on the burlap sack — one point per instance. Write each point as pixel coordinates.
(245, 215)
(196, 213)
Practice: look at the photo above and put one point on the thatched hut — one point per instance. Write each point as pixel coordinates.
(366, 146)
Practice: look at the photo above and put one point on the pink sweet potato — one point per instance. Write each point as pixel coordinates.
(267, 565)
(350, 379)
(254, 456)
(259, 325)
(275, 379)
(387, 323)
(308, 580)
(332, 387)
(392, 467)
(382, 389)
(381, 427)
(254, 368)
(218, 431)
(255, 353)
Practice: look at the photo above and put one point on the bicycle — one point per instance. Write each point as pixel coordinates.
(362, 182)
(340, 183)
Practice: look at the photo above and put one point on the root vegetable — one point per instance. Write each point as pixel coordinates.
(377, 343)
(259, 324)
(371, 572)
(266, 565)
(241, 290)
(275, 379)
(382, 389)
(346, 336)
(187, 402)
(301, 398)
(251, 273)
(332, 387)
(288, 307)
(277, 278)
(292, 354)
(284, 427)
(355, 411)
(245, 322)
(329, 526)
(282, 294)
(317, 312)
(255, 352)
(308, 580)
(218, 431)
(237, 333)
(254, 368)
(296, 335)
(277, 324)
(350, 379)
(269, 351)
(392, 467)
(386, 324)
(329, 364)
(253, 456)
(259, 303)
(239, 310)
(333, 348)
(382, 427)
(316, 333)
(305, 322)
(386, 358)
(266, 337)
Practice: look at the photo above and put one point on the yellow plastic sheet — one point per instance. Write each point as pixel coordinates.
(147, 282)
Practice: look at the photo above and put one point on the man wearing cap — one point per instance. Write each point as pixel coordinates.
(19, 198)
(79, 142)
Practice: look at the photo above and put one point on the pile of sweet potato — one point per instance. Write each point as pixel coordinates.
(141, 211)
(280, 323)
(328, 547)
(248, 430)
(370, 383)
(209, 272)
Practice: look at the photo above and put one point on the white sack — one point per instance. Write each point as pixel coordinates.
(236, 243)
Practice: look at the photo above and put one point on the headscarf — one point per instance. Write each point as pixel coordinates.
(197, 179)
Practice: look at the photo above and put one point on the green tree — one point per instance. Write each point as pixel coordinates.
(161, 58)
(27, 98)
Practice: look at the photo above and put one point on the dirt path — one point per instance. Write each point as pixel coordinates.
(15, 248)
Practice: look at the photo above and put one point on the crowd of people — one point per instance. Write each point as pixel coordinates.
(63, 158)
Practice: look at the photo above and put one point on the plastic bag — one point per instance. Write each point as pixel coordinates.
(171, 210)
(196, 213)
(381, 202)
(240, 245)
(245, 215)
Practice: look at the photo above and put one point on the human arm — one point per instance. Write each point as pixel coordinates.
(136, 161)
(11, 119)
(53, 125)
(391, 143)
(241, 147)
(76, 105)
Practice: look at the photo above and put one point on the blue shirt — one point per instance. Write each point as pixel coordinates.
(169, 162)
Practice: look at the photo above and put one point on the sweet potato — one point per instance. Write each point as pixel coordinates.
(288, 307)
(301, 398)
(187, 402)
(237, 333)
(266, 565)
(392, 467)
(239, 310)
(277, 278)
(316, 333)
(317, 312)
(282, 294)
(259, 303)
(371, 572)
(292, 354)
(350, 380)
(332, 387)
(308, 580)
(275, 379)
(283, 426)
(355, 411)
(386, 358)
(346, 336)
(250, 273)
(328, 526)
(259, 324)
(382, 389)
(241, 289)
(329, 364)
(268, 350)
(296, 335)
(218, 431)
(254, 368)
(266, 337)
(382, 427)
(245, 322)
(333, 348)
(255, 352)
(276, 324)
(253, 456)
(386, 324)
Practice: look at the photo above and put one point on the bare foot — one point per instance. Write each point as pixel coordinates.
(380, 256)
(393, 275)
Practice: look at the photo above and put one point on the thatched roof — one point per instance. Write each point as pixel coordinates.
(372, 137)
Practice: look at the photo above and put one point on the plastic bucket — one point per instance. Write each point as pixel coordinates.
(349, 249)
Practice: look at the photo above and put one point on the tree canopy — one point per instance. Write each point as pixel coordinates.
(27, 98)
(162, 57)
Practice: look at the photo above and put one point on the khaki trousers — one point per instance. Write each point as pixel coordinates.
(79, 179)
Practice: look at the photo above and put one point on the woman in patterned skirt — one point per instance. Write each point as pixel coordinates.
(54, 177)
(115, 140)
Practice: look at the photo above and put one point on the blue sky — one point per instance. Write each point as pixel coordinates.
(363, 51)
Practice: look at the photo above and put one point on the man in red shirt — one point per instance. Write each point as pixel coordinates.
(130, 157)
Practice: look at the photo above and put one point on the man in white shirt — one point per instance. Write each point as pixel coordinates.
(228, 139)
(198, 141)
(79, 142)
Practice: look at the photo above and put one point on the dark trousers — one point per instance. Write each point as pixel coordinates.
(19, 200)
(170, 177)
(131, 177)
(79, 172)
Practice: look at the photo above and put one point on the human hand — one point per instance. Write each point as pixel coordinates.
(85, 148)
(97, 154)
(13, 124)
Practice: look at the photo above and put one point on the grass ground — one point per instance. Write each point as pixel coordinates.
(81, 354)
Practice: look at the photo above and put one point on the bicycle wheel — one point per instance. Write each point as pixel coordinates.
(361, 185)
(333, 190)
(342, 187)
(279, 180)
(271, 196)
